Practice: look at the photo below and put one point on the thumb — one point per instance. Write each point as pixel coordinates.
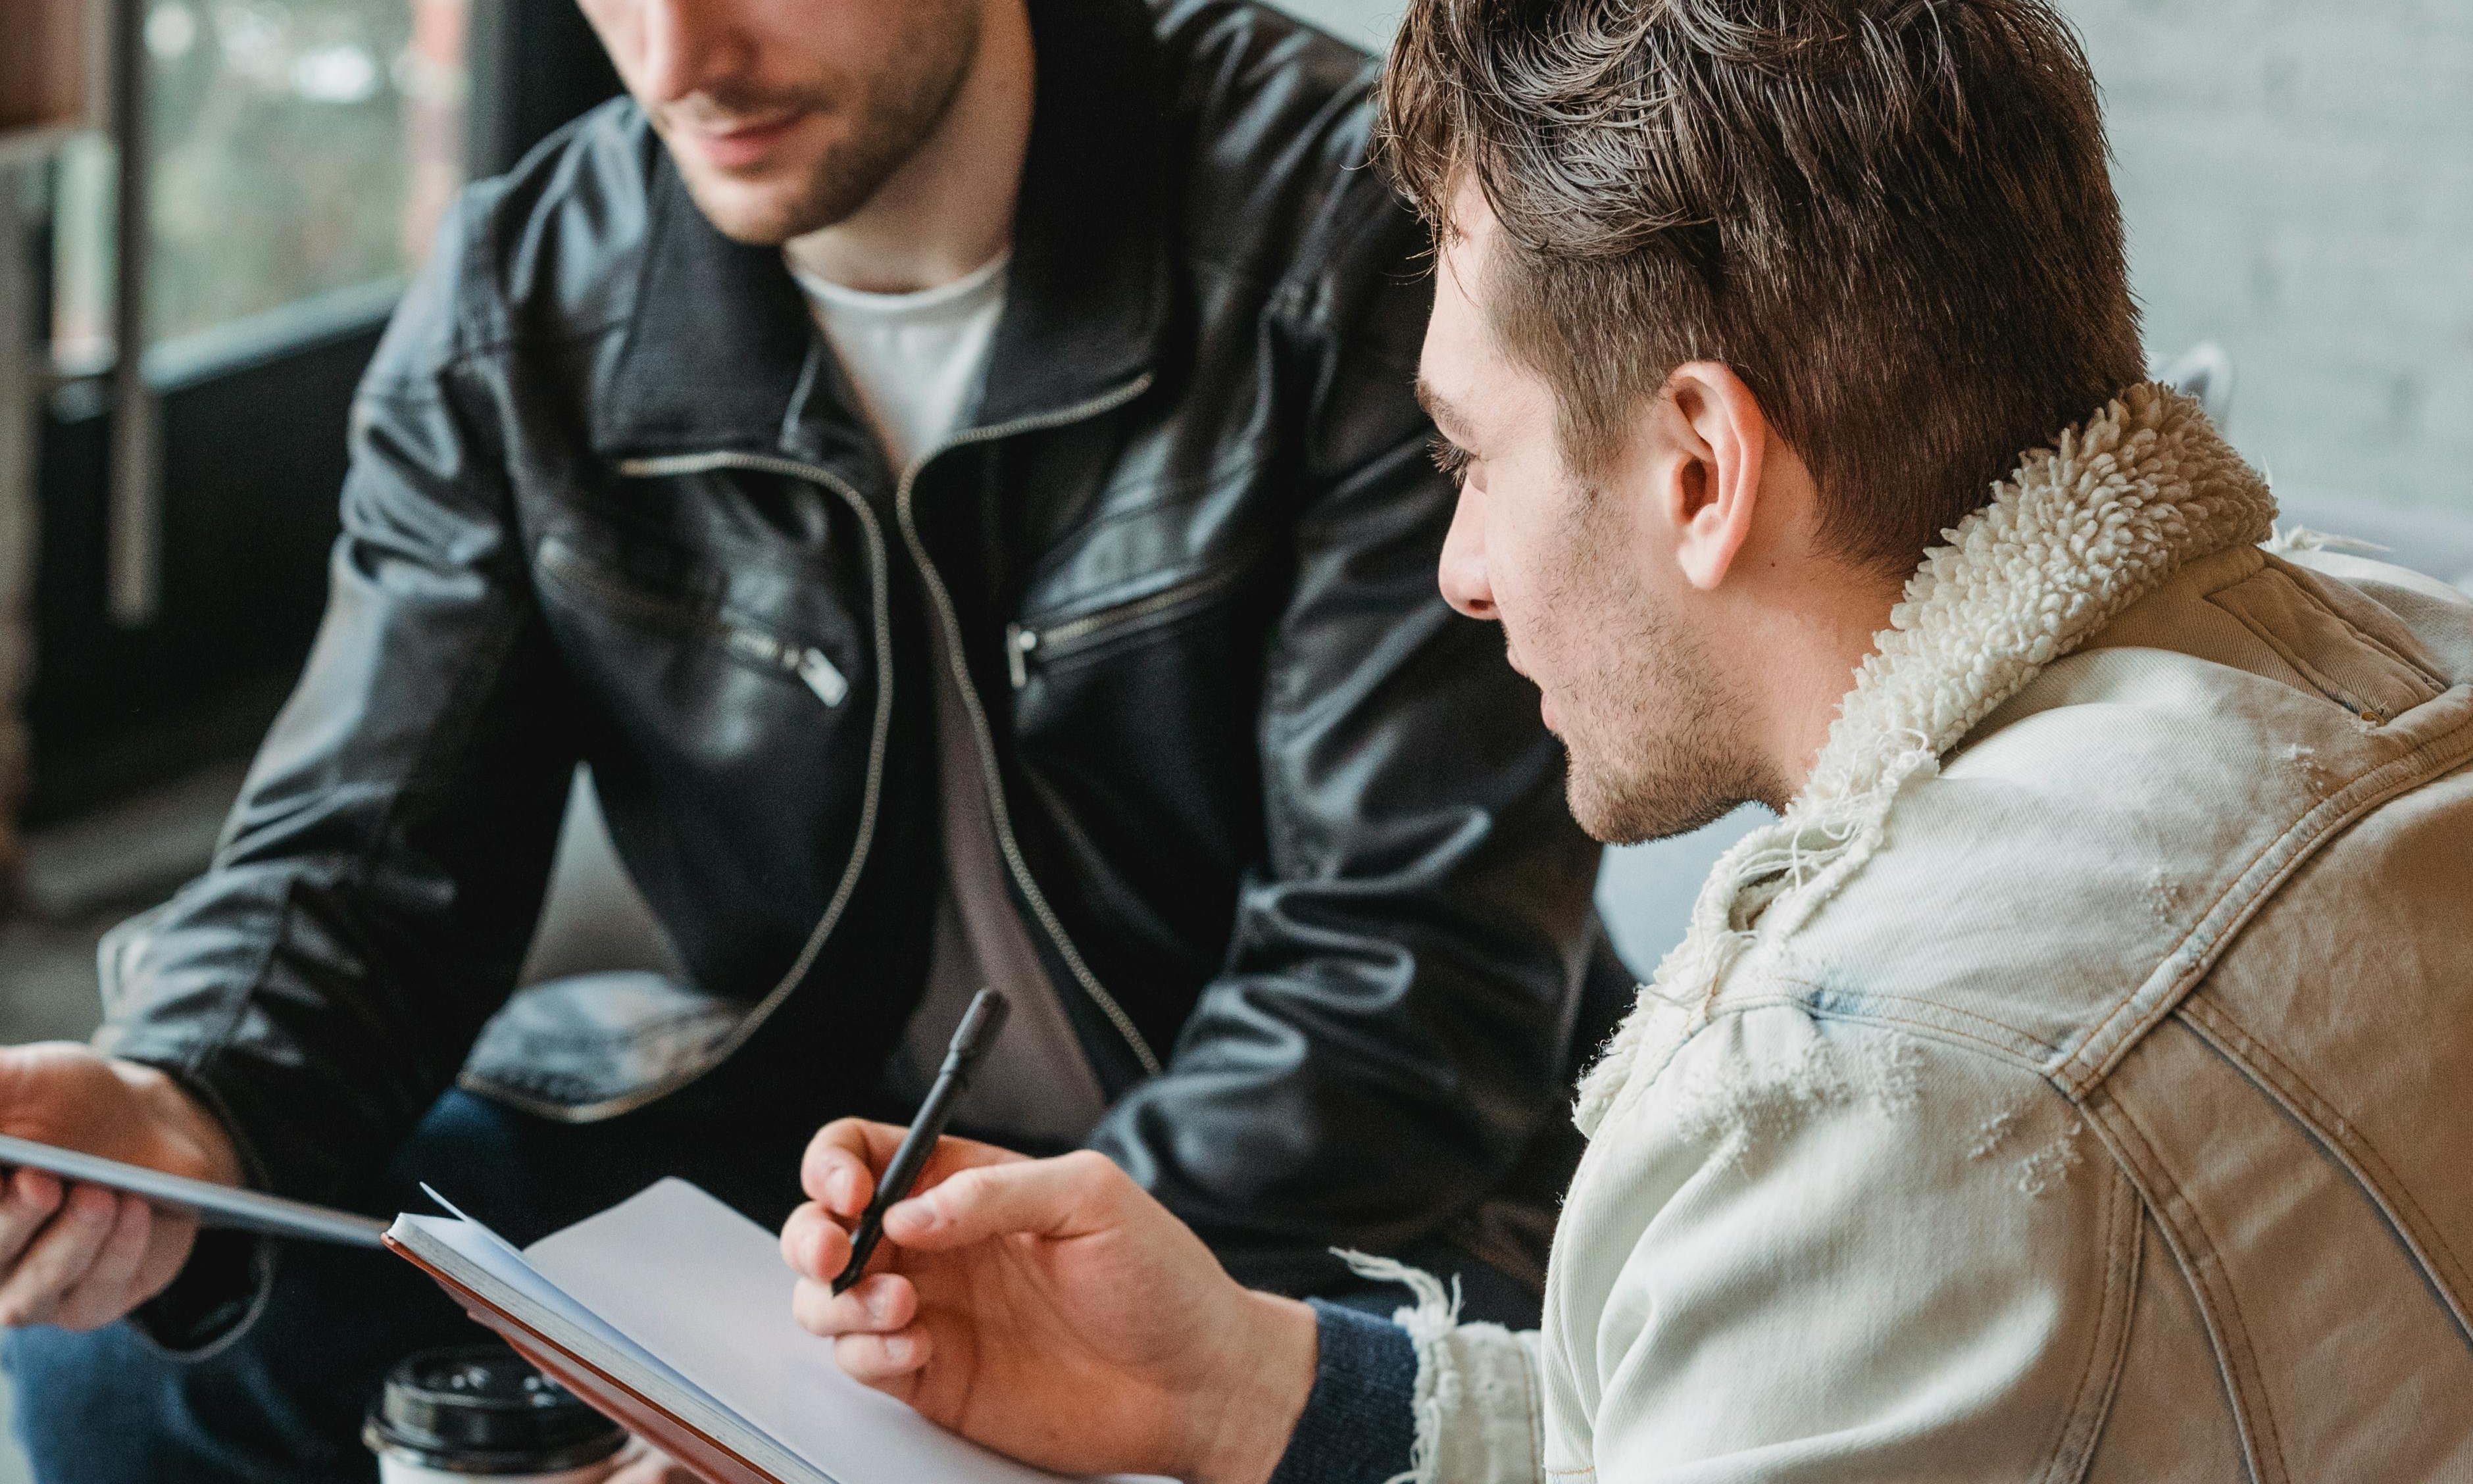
(1072, 1195)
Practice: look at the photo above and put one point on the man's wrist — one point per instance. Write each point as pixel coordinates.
(1276, 1372)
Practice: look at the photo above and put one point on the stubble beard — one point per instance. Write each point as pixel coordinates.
(1658, 741)
(892, 112)
(1681, 772)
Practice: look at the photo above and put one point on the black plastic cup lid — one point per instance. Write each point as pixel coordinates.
(482, 1409)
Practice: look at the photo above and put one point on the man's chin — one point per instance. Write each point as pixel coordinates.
(1633, 811)
(758, 212)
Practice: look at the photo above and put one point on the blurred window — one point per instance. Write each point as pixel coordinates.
(299, 146)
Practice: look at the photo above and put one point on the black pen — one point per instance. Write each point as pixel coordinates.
(985, 1017)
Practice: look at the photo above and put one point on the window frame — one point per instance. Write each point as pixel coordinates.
(253, 416)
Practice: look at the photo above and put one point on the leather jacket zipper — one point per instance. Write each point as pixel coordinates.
(877, 566)
(942, 599)
(804, 663)
(1023, 641)
(810, 665)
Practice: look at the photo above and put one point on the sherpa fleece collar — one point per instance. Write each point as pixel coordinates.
(2077, 533)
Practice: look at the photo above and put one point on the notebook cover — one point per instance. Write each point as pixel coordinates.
(706, 1457)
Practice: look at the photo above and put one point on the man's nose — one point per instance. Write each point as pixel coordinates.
(686, 48)
(1462, 575)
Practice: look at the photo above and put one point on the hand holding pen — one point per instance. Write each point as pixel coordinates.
(1049, 1308)
(980, 1026)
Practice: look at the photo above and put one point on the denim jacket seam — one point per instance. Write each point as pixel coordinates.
(2234, 1352)
(2325, 610)
(2319, 830)
(2097, 1031)
(1858, 1005)
(2370, 1165)
(2080, 1428)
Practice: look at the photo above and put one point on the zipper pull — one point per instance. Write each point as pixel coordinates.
(1019, 643)
(762, 648)
(823, 676)
(807, 665)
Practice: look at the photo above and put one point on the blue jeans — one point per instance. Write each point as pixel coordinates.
(283, 1403)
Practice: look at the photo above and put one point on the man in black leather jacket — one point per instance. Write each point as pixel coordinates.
(1285, 836)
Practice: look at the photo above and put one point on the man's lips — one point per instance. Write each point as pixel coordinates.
(737, 145)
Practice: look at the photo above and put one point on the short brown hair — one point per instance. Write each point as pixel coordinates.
(1891, 218)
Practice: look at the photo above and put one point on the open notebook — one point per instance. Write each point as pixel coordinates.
(671, 1314)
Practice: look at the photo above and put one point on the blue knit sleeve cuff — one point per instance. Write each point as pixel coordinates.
(1359, 1422)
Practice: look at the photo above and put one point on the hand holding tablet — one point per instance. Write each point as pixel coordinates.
(79, 1253)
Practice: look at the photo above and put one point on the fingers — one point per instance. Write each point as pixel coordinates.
(839, 1170)
(879, 1304)
(814, 1244)
(59, 1257)
(109, 1289)
(27, 1200)
(875, 1329)
(1072, 1195)
(890, 1363)
(80, 1257)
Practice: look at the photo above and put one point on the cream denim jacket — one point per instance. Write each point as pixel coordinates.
(2077, 1084)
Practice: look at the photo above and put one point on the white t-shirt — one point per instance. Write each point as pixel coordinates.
(913, 358)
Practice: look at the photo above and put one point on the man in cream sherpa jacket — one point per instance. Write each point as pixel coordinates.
(2075, 1084)
(2088, 1100)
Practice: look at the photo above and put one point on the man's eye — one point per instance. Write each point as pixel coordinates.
(1449, 457)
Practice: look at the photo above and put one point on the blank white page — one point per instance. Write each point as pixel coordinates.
(704, 1290)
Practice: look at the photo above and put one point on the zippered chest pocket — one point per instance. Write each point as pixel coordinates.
(1036, 643)
(758, 646)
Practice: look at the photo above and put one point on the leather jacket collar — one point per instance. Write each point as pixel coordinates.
(720, 351)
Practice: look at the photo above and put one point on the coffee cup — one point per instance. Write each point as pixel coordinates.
(483, 1412)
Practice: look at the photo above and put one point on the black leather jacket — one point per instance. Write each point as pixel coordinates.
(1287, 831)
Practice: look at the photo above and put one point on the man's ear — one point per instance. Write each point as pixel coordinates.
(1713, 483)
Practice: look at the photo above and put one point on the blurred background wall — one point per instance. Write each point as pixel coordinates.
(2299, 182)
